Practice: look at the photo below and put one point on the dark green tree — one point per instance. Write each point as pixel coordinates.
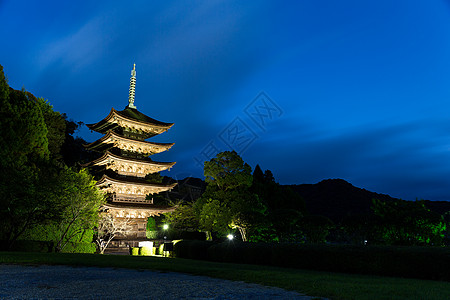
(403, 222)
(56, 128)
(80, 202)
(25, 174)
(316, 228)
(283, 204)
(228, 200)
(183, 217)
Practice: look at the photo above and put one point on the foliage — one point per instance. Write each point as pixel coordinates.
(154, 178)
(74, 247)
(316, 228)
(151, 224)
(227, 171)
(285, 208)
(183, 217)
(358, 229)
(56, 127)
(407, 223)
(27, 199)
(50, 232)
(35, 187)
(80, 204)
(214, 216)
(228, 201)
(287, 224)
(146, 251)
(24, 132)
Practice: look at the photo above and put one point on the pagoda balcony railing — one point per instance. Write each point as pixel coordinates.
(130, 199)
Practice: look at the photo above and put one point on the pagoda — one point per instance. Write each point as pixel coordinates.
(124, 164)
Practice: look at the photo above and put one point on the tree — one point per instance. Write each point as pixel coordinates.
(316, 228)
(287, 224)
(25, 173)
(183, 217)
(214, 216)
(4, 87)
(228, 201)
(24, 132)
(80, 203)
(56, 127)
(285, 208)
(403, 222)
(228, 171)
(27, 199)
(108, 228)
(36, 190)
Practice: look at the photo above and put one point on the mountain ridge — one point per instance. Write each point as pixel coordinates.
(337, 199)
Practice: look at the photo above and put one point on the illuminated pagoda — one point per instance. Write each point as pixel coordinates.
(125, 163)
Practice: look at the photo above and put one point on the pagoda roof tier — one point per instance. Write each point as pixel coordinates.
(132, 186)
(112, 139)
(129, 166)
(136, 211)
(132, 120)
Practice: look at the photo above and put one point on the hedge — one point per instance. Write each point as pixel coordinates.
(49, 246)
(411, 262)
(134, 251)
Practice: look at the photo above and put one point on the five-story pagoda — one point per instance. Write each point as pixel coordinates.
(125, 164)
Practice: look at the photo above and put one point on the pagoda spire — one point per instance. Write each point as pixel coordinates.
(132, 87)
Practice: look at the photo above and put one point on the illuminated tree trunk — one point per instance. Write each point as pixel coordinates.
(243, 232)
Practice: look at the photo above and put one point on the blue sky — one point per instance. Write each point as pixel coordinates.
(309, 89)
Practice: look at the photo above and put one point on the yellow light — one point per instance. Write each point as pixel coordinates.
(165, 226)
(230, 237)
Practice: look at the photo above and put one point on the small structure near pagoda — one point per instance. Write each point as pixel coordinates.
(124, 165)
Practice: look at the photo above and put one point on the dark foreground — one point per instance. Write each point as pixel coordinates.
(27, 282)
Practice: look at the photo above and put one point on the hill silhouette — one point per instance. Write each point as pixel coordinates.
(337, 199)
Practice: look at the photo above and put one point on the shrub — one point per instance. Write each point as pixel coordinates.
(152, 234)
(239, 252)
(134, 250)
(411, 262)
(32, 246)
(192, 249)
(193, 235)
(79, 248)
(146, 251)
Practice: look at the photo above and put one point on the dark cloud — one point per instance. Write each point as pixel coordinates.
(406, 161)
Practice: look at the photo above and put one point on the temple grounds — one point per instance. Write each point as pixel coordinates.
(319, 284)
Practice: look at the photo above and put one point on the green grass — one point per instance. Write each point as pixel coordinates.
(313, 283)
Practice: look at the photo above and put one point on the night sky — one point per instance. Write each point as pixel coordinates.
(358, 90)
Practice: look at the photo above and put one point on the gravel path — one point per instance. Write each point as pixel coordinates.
(42, 282)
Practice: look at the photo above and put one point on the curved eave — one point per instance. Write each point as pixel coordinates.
(100, 141)
(107, 154)
(151, 121)
(154, 209)
(107, 179)
(106, 124)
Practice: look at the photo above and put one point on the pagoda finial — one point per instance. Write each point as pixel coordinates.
(132, 87)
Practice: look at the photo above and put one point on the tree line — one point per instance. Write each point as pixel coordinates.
(253, 206)
(44, 196)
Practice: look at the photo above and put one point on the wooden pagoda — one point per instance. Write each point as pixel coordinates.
(125, 163)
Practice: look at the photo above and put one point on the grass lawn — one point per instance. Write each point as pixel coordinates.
(321, 284)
